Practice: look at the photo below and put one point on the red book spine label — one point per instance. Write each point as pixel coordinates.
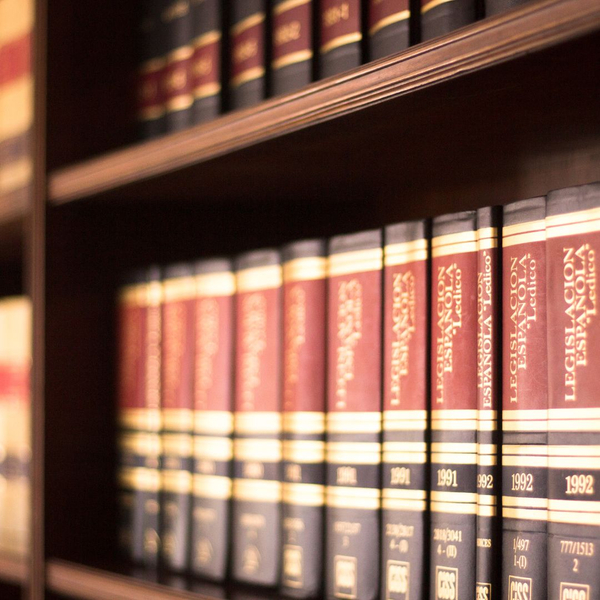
(15, 58)
(386, 12)
(340, 23)
(292, 33)
(206, 65)
(248, 49)
(151, 90)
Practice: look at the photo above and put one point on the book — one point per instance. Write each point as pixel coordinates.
(152, 56)
(177, 378)
(573, 243)
(353, 493)
(388, 27)
(292, 60)
(340, 36)
(177, 81)
(439, 17)
(494, 7)
(257, 455)
(405, 408)
(524, 401)
(248, 48)
(213, 417)
(206, 71)
(489, 349)
(453, 406)
(304, 311)
(139, 416)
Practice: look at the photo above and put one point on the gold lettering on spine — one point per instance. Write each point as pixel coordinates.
(485, 330)
(254, 342)
(522, 314)
(295, 337)
(579, 294)
(404, 326)
(288, 32)
(175, 334)
(449, 321)
(335, 14)
(207, 346)
(349, 326)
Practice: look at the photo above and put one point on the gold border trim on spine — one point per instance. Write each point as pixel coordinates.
(291, 58)
(309, 423)
(177, 419)
(213, 448)
(267, 422)
(259, 278)
(247, 23)
(341, 40)
(303, 494)
(305, 269)
(213, 422)
(525, 513)
(247, 75)
(304, 451)
(215, 284)
(257, 491)
(212, 486)
(454, 508)
(389, 20)
(176, 482)
(453, 459)
(288, 5)
(178, 288)
(260, 450)
(205, 91)
(210, 37)
(354, 422)
(355, 261)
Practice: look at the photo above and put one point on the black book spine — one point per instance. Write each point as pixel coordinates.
(439, 17)
(494, 7)
(405, 403)
(292, 45)
(389, 27)
(177, 81)
(488, 404)
(152, 47)
(341, 36)
(206, 71)
(248, 52)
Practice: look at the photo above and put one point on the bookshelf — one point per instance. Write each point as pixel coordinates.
(503, 109)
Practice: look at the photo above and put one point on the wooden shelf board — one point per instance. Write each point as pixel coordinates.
(489, 42)
(13, 569)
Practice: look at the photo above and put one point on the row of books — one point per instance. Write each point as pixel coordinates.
(16, 102)
(15, 446)
(390, 414)
(201, 57)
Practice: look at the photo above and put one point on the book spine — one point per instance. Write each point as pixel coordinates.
(256, 518)
(353, 493)
(213, 417)
(304, 301)
(494, 7)
(488, 404)
(292, 43)
(151, 105)
(177, 80)
(206, 69)
(388, 27)
(405, 399)
(439, 17)
(573, 244)
(340, 36)
(248, 47)
(177, 419)
(453, 406)
(524, 402)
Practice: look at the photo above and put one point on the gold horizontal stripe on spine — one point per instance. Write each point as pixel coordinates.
(392, 416)
(486, 511)
(575, 425)
(583, 450)
(485, 449)
(213, 448)
(152, 112)
(427, 7)
(454, 508)
(573, 413)
(134, 295)
(464, 248)
(485, 499)
(215, 284)
(177, 419)
(305, 269)
(411, 458)
(214, 422)
(486, 460)
(17, 99)
(576, 518)
(524, 425)
(487, 415)
(291, 59)
(288, 5)
(450, 415)
(16, 174)
(567, 462)
(524, 238)
(525, 513)
(140, 479)
(454, 447)
(152, 66)
(310, 423)
(453, 239)
(454, 425)
(206, 90)
(358, 453)
(584, 221)
(259, 278)
(487, 233)
(17, 18)
(354, 422)
(580, 506)
(212, 486)
(210, 37)
(524, 461)
(180, 288)
(528, 227)
(257, 423)
(356, 261)
(304, 494)
(304, 451)
(405, 252)
(180, 102)
(362, 498)
(247, 75)
(178, 444)
(461, 497)
(525, 502)
(453, 459)
(402, 504)
(257, 491)
(418, 447)
(148, 419)
(389, 20)
(181, 53)
(486, 425)
(257, 450)
(342, 40)
(525, 415)
(525, 449)
(143, 444)
(407, 494)
(247, 23)
(177, 482)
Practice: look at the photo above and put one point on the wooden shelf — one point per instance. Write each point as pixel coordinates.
(487, 43)
(13, 570)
